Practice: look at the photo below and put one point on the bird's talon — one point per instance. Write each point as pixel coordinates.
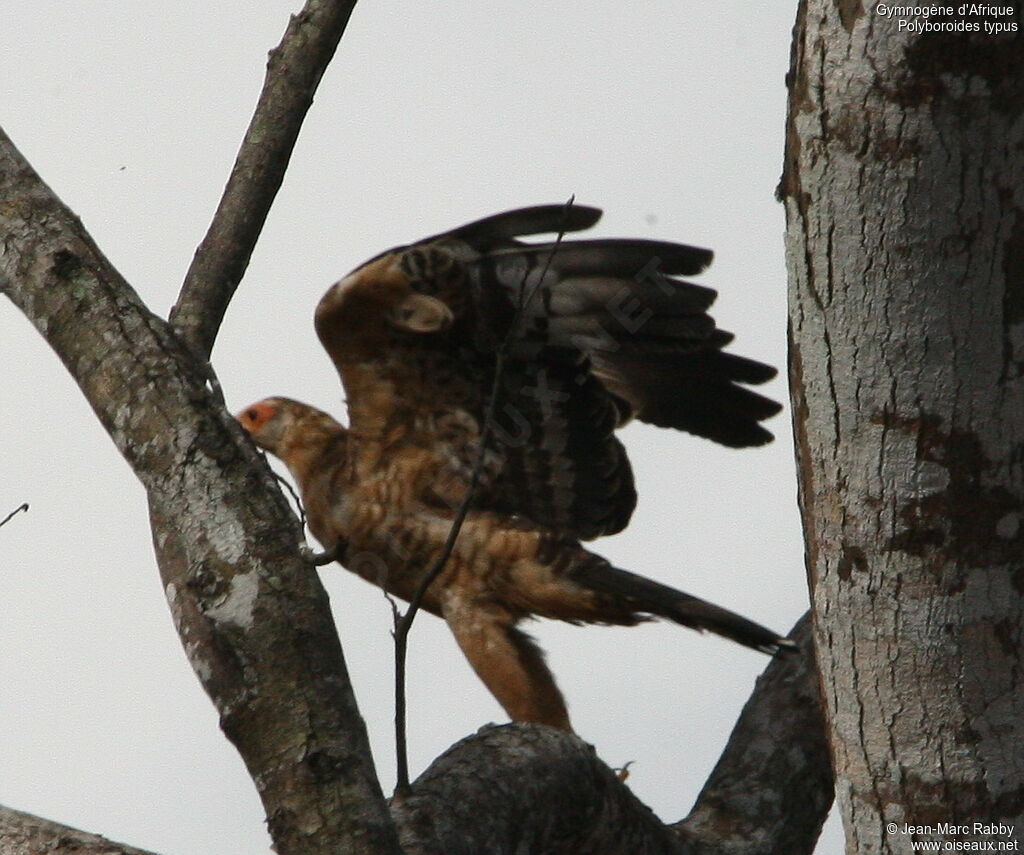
(319, 559)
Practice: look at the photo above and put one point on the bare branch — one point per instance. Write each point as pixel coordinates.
(22, 507)
(253, 617)
(772, 788)
(293, 73)
(24, 834)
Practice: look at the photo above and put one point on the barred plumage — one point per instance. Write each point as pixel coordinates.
(596, 332)
(589, 333)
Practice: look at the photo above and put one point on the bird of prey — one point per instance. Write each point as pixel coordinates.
(473, 360)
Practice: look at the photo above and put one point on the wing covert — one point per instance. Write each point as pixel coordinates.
(592, 333)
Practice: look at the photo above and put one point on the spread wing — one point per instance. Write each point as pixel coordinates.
(590, 333)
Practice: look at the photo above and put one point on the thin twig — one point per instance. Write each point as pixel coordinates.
(317, 559)
(403, 624)
(299, 509)
(22, 507)
(294, 69)
(525, 304)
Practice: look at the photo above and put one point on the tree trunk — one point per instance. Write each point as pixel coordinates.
(904, 193)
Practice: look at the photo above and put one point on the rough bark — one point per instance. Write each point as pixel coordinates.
(772, 788)
(24, 834)
(527, 788)
(293, 73)
(904, 193)
(545, 791)
(253, 617)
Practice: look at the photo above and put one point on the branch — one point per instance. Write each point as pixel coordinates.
(254, 620)
(22, 507)
(294, 70)
(772, 788)
(24, 834)
(526, 788)
(514, 788)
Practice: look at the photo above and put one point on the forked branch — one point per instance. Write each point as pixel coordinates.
(255, 622)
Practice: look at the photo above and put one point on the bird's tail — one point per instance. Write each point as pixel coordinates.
(648, 597)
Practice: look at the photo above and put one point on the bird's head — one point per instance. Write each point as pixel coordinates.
(287, 428)
(267, 421)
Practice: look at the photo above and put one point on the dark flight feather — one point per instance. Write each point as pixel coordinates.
(594, 332)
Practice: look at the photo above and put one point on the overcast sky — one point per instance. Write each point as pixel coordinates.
(669, 117)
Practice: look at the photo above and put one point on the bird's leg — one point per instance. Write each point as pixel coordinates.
(509, 663)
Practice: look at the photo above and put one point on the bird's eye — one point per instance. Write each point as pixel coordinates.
(251, 415)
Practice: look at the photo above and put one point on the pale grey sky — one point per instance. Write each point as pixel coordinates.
(669, 116)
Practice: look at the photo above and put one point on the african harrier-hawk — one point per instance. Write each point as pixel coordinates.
(588, 334)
